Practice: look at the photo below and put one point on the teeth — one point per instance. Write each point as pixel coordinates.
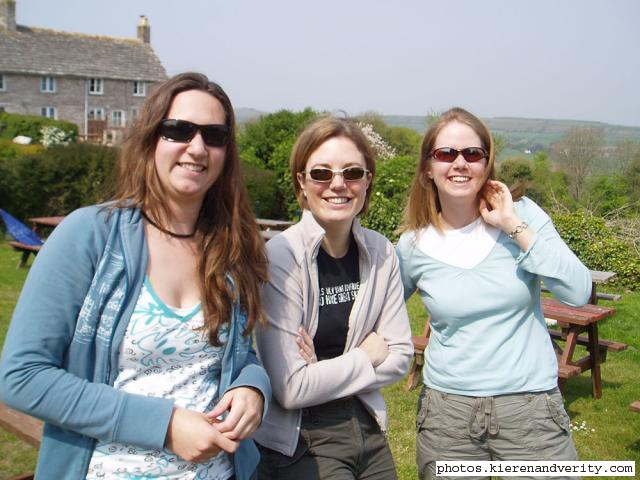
(193, 167)
(460, 179)
(337, 200)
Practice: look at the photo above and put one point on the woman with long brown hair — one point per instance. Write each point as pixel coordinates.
(131, 338)
(477, 254)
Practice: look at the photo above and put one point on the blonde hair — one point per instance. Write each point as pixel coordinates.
(226, 231)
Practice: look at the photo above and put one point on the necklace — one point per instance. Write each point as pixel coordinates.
(168, 232)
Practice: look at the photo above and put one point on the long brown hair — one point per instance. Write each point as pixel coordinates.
(228, 237)
(423, 205)
(314, 135)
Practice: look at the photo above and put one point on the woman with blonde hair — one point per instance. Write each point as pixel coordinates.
(477, 257)
(131, 338)
(337, 329)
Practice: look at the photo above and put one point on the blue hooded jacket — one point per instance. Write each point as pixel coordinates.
(61, 352)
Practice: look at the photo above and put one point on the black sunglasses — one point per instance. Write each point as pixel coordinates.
(350, 174)
(448, 154)
(183, 131)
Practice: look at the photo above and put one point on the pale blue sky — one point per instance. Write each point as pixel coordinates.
(561, 59)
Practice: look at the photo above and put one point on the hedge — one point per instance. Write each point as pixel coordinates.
(14, 124)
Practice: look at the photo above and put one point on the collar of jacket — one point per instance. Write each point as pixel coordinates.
(313, 234)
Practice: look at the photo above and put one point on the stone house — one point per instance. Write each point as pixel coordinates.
(96, 82)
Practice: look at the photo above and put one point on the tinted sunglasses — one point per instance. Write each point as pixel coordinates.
(349, 174)
(448, 154)
(183, 131)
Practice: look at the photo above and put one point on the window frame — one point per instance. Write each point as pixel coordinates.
(95, 82)
(121, 122)
(3, 82)
(137, 91)
(94, 110)
(48, 84)
(49, 112)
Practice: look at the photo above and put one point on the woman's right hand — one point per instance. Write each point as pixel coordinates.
(376, 347)
(192, 437)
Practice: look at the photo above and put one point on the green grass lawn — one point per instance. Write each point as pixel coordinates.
(607, 430)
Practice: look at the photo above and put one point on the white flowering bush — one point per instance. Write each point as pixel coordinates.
(54, 136)
(382, 149)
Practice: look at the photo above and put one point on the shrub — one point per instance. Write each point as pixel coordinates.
(390, 189)
(58, 180)
(263, 191)
(54, 137)
(598, 248)
(13, 124)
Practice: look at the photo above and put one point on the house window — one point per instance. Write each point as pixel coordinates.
(2, 109)
(3, 83)
(96, 113)
(117, 118)
(139, 88)
(95, 86)
(49, 112)
(47, 84)
(134, 114)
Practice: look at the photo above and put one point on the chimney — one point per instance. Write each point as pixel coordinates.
(8, 15)
(144, 30)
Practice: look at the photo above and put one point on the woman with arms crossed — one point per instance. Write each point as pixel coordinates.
(477, 258)
(337, 330)
(132, 333)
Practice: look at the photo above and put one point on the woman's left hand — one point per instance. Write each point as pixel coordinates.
(496, 195)
(245, 406)
(305, 343)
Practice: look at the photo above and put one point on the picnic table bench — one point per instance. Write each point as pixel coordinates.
(23, 426)
(270, 228)
(26, 251)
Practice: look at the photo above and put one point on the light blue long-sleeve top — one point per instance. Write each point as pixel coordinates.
(489, 336)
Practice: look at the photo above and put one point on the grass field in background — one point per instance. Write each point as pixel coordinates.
(606, 429)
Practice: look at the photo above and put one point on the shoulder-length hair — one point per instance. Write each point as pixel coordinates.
(226, 231)
(314, 135)
(423, 205)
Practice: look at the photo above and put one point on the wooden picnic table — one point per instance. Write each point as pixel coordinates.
(598, 277)
(46, 221)
(573, 321)
(268, 224)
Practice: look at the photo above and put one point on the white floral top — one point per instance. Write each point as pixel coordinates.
(163, 354)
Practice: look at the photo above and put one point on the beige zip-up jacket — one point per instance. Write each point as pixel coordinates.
(290, 300)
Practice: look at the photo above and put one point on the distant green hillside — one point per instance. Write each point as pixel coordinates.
(529, 133)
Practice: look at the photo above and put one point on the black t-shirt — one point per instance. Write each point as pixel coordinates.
(339, 280)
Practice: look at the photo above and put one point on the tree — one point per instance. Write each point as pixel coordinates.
(625, 153)
(403, 140)
(266, 143)
(578, 153)
(499, 142)
(632, 180)
(548, 187)
(513, 170)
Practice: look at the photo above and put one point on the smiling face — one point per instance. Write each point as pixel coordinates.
(459, 180)
(336, 203)
(187, 170)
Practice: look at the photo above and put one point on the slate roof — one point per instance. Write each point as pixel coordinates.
(50, 52)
